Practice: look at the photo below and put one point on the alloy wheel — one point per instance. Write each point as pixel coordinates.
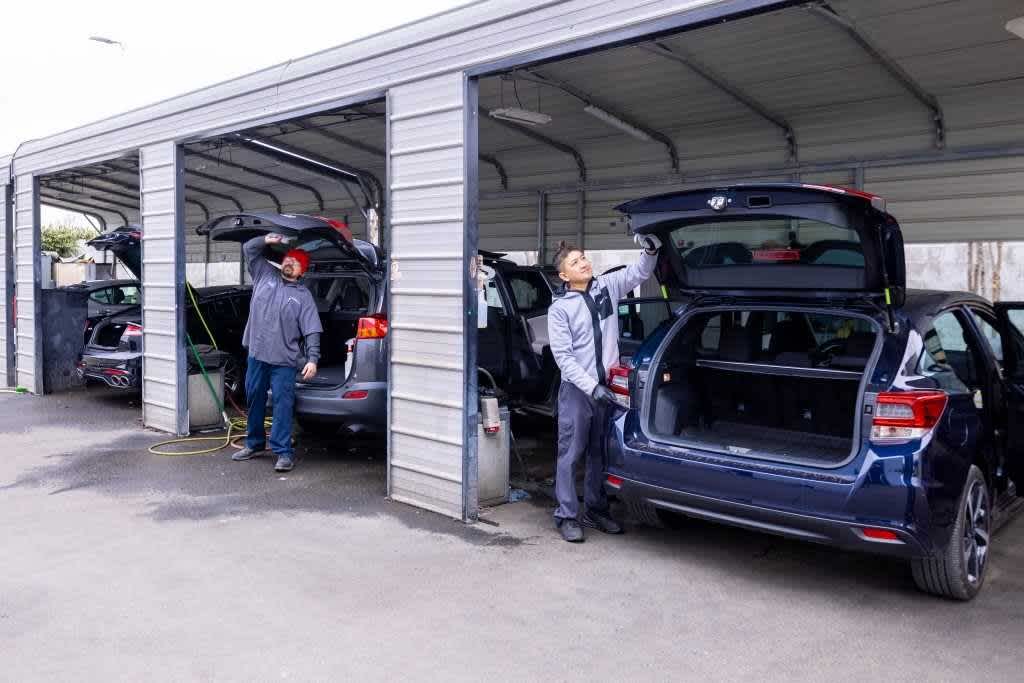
(976, 532)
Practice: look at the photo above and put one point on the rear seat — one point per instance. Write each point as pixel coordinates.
(737, 396)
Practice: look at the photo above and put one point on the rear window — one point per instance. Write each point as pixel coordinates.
(768, 241)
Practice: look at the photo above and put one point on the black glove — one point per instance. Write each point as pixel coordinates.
(603, 393)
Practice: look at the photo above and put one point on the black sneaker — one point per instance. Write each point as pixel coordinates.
(601, 522)
(248, 454)
(571, 530)
(284, 464)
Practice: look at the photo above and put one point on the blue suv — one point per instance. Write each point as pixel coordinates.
(800, 389)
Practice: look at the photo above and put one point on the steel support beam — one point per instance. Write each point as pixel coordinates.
(124, 184)
(542, 226)
(736, 175)
(708, 74)
(295, 156)
(67, 207)
(262, 174)
(240, 186)
(216, 195)
(534, 76)
(830, 14)
(488, 159)
(50, 199)
(543, 139)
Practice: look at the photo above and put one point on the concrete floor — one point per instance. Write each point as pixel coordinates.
(119, 565)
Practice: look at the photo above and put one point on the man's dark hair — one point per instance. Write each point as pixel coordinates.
(563, 251)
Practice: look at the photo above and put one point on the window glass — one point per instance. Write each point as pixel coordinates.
(637, 320)
(945, 349)
(990, 334)
(530, 291)
(129, 295)
(101, 296)
(768, 241)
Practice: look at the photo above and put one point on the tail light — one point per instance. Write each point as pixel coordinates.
(618, 382)
(372, 327)
(356, 394)
(132, 330)
(906, 415)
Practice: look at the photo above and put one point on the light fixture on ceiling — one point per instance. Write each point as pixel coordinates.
(1016, 27)
(523, 117)
(616, 122)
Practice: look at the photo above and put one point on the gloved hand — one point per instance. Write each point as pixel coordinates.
(603, 393)
(650, 243)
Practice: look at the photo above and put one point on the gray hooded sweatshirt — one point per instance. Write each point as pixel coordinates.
(583, 327)
(284, 325)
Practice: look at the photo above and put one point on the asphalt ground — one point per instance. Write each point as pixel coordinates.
(120, 565)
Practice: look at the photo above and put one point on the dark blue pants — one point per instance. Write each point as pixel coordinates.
(582, 429)
(259, 377)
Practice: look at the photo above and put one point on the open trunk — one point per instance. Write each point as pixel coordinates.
(776, 385)
(342, 297)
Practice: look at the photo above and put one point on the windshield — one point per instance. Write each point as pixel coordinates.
(767, 241)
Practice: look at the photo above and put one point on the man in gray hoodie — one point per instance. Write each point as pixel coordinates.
(583, 331)
(283, 326)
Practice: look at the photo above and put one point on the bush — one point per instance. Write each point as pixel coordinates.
(64, 239)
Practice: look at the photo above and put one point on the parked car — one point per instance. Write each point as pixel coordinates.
(801, 390)
(106, 298)
(348, 279)
(113, 349)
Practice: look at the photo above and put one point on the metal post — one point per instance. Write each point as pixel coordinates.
(581, 219)
(7, 284)
(542, 227)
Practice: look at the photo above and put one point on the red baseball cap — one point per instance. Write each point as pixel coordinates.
(300, 255)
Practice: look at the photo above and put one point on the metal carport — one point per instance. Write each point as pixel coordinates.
(916, 100)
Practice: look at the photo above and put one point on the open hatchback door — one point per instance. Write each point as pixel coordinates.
(308, 232)
(126, 244)
(776, 239)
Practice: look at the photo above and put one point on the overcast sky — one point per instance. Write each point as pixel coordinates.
(55, 78)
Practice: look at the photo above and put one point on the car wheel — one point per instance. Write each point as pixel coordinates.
(959, 572)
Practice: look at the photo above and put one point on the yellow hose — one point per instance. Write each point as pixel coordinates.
(234, 424)
(195, 305)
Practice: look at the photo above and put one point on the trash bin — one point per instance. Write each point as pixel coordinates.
(204, 412)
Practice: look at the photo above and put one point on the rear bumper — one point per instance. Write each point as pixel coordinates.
(801, 526)
(117, 369)
(327, 406)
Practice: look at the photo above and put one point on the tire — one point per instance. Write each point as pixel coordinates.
(959, 572)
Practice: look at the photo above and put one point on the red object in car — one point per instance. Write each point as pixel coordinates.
(905, 415)
(356, 394)
(614, 481)
(776, 255)
(372, 327)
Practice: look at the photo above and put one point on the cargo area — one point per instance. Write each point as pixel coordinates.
(769, 384)
(343, 296)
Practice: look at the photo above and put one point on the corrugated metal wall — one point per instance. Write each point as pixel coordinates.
(427, 437)
(6, 282)
(164, 392)
(26, 258)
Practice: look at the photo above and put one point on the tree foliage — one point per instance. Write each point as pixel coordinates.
(64, 239)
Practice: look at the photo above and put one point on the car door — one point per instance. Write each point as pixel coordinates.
(638, 318)
(1010, 317)
(492, 340)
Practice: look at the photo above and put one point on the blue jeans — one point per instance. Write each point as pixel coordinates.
(259, 377)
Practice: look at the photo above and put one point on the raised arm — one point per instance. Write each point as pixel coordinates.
(259, 267)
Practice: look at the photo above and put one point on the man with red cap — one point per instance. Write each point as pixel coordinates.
(282, 335)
